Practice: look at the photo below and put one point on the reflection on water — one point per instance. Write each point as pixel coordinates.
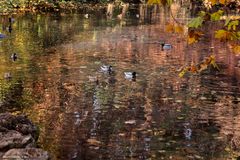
(84, 113)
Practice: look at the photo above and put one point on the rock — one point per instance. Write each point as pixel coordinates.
(27, 153)
(18, 138)
(19, 123)
(14, 139)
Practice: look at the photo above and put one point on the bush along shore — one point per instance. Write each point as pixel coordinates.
(42, 6)
(18, 136)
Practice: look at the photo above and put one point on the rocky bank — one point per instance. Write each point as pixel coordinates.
(18, 136)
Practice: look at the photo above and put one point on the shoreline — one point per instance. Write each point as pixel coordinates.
(18, 138)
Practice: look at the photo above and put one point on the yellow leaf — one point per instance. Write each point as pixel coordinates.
(179, 29)
(191, 40)
(170, 28)
(236, 49)
(213, 2)
(183, 72)
(150, 2)
(222, 2)
(213, 62)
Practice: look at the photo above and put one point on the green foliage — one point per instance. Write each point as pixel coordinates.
(233, 25)
(217, 15)
(196, 22)
(225, 35)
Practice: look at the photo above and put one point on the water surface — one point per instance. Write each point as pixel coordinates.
(157, 116)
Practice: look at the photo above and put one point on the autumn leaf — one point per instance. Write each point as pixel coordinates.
(193, 69)
(227, 21)
(233, 25)
(194, 36)
(170, 28)
(221, 34)
(191, 40)
(213, 62)
(169, 2)
(183, 72)
(179, 29)
(222, 2)
(236, 49)
(216, 15)
(196, 22)
(213, 1)
(150, 2)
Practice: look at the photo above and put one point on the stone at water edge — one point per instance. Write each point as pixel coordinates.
(13, 139)
(19, 123)
(27, 153)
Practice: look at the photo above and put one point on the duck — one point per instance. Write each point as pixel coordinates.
(165, 46)
(106, 68)
(130, 75)
(14, 56)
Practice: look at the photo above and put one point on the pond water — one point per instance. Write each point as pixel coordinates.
(84, 113)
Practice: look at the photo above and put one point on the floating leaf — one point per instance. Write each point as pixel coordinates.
(196, 22)
(183, 72)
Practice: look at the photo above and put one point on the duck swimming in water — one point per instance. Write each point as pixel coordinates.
(14, 56)
(106, 68)
(130, 75)
(165, 46)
